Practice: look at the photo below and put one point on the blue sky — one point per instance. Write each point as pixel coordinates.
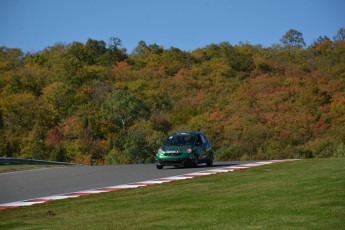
(33, 25)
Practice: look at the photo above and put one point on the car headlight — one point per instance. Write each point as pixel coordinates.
(160, 151)
(189, 150)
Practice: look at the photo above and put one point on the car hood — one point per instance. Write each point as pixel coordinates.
(174, 148)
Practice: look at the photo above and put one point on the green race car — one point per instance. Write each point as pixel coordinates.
(185, 149)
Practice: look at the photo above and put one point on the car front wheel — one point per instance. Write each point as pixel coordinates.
(159, 166)
(210, 161)
(195, 161)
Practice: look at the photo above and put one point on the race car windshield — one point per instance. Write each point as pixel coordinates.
(180, 140)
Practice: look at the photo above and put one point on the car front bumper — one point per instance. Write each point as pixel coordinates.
(183, 160)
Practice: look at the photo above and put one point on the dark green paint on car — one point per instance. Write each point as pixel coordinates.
(186, 149)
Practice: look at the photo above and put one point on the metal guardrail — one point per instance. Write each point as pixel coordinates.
(17, 161)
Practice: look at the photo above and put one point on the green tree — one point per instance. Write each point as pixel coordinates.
(140, 49)
(135, 147)
(322, 44)
(2, 136)
(292, 40)
(10, 58)
(77, 50)
(19, 111)
(93, 50)
(33, 145)
(122, 108)
(35, 59)
(32, 81)
(340, 35)
(60, 99)
(118, 54)
(116, 157)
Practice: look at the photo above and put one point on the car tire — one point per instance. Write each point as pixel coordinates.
(195, 161)
(209, 163)
(159, 166)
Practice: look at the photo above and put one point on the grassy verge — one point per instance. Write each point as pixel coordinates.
(307, 194)
(10, 168)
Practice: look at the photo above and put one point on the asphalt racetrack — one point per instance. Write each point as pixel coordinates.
(30, 184)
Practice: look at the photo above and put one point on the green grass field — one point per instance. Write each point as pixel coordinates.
(306, 194)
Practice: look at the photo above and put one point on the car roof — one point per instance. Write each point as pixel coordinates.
(186, 133)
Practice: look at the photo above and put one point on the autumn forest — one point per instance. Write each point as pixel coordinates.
(81, 101)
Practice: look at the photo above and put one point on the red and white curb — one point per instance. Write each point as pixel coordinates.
(136, 184)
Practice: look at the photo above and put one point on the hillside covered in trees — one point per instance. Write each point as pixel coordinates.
(76, 102)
